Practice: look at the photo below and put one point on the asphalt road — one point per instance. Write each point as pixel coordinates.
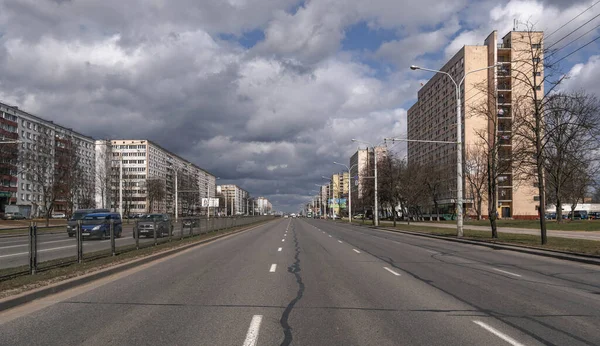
(313, 282)
(14, 251)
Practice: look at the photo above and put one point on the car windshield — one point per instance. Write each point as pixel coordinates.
(77, 216)
(95, 219)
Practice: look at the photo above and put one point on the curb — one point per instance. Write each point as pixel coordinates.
(27, 234)
(26, 297)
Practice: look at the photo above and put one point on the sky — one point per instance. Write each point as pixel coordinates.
(265, 94)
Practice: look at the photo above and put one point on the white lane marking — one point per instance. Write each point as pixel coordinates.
(505, 272)
(282, 239)
(391, 271)
(273, 267)
(252, 334)
(356, 251)
(44, 250)
(330, 236)
(279, 249)
(498, 334)
(40, 243)
(339, 241)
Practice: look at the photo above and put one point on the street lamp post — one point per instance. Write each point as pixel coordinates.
(459, 187)
(349, 188)
(376, 211)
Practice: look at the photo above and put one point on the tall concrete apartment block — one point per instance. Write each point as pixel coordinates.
(362, 165)
(51, 168)
(149, 176)
(263, 206)
(433, 117)
(236, 199)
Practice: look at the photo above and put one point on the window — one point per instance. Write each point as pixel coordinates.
(536, 198)
(22, 197)
(28, 187)
(536, 60)
(29, 125)
(536, 45)
(28, 197)
(22, 186)
(537, 74)
(538, 87)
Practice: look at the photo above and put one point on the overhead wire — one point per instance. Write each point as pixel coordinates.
(580, 36)
(569, 34)
(576, 50)
(577, 16)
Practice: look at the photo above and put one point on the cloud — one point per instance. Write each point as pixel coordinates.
(271, 118)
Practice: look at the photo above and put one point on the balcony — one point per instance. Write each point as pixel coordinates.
(504, 60)
(504, 125)
(505, 181)
(504, 86)
(504, 97)
(504, 112)
(504, 194)
(503, 72)
(504, 139)
(503, 46)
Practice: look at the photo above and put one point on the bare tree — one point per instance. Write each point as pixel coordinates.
(476, 174)
(531, 72)
(434, 178)
(572, 124)
(156, 191)
(389, 176)
(104, 177)
(412, 189)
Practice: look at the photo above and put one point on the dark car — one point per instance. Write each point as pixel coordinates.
(145, 225)
(14, 216)
(79, 214)
(97, 225)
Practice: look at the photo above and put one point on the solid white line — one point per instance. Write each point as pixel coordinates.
(498, 334)
(391, 271)
(505, 272)
(252, 334)
(40, 243)
(279, 249)
(339, 241)
(273, 267)
(27, 253)
(282, 239)
(356, 251)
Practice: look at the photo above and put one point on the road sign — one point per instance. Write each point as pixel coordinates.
(214, 202)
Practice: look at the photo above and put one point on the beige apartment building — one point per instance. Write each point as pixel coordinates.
(433, 117)
(150, 174)
(362, 165)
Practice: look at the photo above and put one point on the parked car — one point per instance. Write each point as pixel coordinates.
(550, 216)
(97, 225)
(359, 216)
(79, 214)
(59, 215)
(191, 222)
(579, 215)
(145, 225)
(14, 216)
(594, 215)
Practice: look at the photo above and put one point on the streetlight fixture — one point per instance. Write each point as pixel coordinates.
(459, 187)
(376, 211)
(349, 188)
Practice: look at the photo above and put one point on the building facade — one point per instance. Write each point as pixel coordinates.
(51, 169)
(362, 171)
(237, 200)
(264, 206)
(151, 178)
(433, 117)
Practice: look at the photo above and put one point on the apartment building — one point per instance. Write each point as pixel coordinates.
(433, 117)
(237, 201)
(362, 165)
(151, 178)
(264, 206)
(339, 186)
(51, 168)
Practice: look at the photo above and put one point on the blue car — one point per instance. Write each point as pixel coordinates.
(97, 225)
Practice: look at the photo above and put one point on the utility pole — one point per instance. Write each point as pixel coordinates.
(121, 186)
(176, 197)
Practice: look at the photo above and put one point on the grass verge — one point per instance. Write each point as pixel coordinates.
(566, 225)
(580, 246)
(25, 230)
(126, 254)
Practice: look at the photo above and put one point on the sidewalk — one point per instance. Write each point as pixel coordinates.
(551, 233)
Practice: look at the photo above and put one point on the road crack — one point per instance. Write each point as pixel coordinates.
(294, 269)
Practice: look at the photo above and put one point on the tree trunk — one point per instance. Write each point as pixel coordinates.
(394, 211)
(479, 206)
(437, 210)
(558, 210)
